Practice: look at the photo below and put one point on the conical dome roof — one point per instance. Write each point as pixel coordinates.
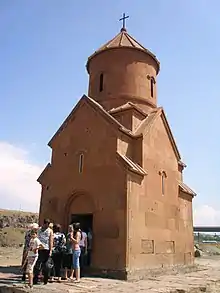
(123, 40)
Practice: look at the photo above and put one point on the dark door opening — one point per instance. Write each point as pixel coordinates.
(86, 223)
(85, 220)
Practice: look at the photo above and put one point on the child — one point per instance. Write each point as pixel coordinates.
(35, 227)
(32, 256)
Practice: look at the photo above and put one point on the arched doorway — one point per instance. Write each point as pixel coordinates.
(80, 208)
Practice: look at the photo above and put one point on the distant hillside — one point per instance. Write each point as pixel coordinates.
(13, 225)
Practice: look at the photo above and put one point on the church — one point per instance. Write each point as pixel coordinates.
(116, 168)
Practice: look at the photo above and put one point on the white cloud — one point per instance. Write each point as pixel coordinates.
(20, 190)
(206, 216)
(18, 175)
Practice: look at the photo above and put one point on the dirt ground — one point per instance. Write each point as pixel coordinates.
(205, 278)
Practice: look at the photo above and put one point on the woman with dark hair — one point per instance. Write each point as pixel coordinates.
(68, 255)
(75, 238)
(45, 235)
(58, 249)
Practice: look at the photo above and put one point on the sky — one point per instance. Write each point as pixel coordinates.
(44, 46)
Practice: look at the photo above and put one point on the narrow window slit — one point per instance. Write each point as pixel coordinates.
(163, 183)
(152, 87)
(101, 82)
(81, 161)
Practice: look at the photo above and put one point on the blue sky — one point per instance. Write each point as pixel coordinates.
(44, 46)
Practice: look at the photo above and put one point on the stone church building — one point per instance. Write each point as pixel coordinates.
(116, 168)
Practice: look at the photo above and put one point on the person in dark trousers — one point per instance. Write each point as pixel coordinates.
(45, 235)
(59, 241)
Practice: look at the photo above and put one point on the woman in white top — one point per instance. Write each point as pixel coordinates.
(45, 235)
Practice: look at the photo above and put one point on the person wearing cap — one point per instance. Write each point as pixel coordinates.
(27, 238)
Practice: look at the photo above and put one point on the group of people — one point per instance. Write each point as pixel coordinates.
(47, 250)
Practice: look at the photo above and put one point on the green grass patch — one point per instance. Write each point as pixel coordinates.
(12, 237)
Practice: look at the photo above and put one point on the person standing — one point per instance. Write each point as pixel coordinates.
(58, 250)
(45, 235)
(32, 256)
(75, 238)
(83, 247)
(27, 239)
(68, 255)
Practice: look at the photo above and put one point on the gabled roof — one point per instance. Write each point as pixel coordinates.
(171, 137)
(46, 169)
(145, 125)
(132, 166)
(127, 106)
(182, 164)
(99, 109)
(123, 40)
(185, 188)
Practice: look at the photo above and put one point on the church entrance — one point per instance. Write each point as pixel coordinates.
(85, 220)
(86, 224)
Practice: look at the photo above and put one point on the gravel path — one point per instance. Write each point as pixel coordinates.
(205, 279)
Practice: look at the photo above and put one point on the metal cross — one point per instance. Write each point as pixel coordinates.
(123, 21)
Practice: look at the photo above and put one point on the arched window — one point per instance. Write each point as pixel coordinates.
(152, 82)
(81, 161)
(101, 77)
(163, 182)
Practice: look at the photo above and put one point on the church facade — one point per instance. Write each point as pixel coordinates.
(116, 168)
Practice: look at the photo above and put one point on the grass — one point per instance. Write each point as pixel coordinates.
(12, 231)
(12, 237)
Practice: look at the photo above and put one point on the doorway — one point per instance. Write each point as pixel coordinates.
(85, 220)
(86, 224)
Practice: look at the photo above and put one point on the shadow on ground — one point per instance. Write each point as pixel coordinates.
(10, 274)
(15, 270)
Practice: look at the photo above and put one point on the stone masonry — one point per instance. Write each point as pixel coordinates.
(115, 158)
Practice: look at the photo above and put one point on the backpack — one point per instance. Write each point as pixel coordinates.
(59, 244)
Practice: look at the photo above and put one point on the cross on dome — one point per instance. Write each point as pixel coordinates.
(124, 17)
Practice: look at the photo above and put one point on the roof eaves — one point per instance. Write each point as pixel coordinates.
(138, 109)
(134, 167)
(66, 121)
(125, 107)
(120, 47)
(48, 166)
(147, 122)
(182, 164)
(186, 189)
(171, 135)
(101, 109)
(115, 121)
